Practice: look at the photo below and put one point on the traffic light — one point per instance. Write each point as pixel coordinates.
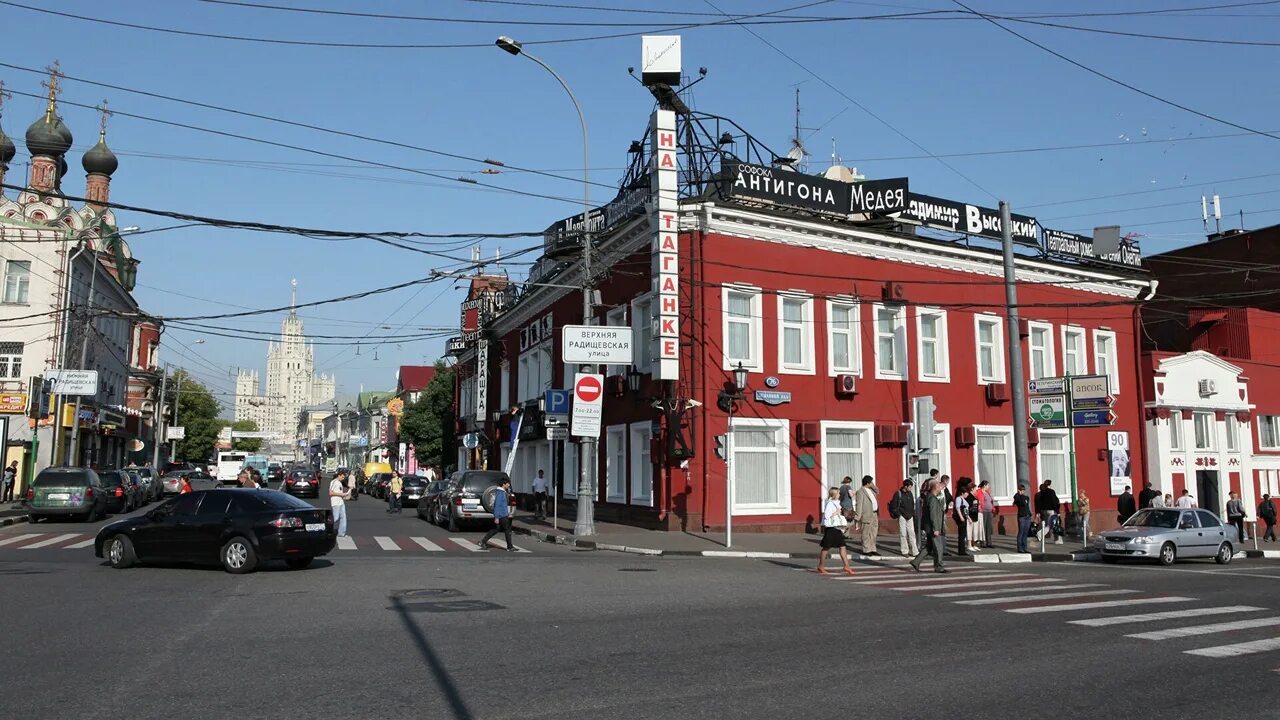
(722, 447)
(38, 398)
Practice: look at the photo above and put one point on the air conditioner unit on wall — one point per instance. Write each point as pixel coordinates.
(846, 385)
(966, 436)
(894, 291)
(997, 393)
(807, 433)
(1208, 387)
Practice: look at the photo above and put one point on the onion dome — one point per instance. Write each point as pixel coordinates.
(99, 159)
(48, 136)
(62, 167)
(7, 149)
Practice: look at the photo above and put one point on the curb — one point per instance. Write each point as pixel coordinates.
(6, 522)
(1262, 554)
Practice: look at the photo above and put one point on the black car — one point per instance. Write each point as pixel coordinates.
(302, 483)
(238, 528)
(429, 504)
(122, 491)
(412, 489)
(275, 474)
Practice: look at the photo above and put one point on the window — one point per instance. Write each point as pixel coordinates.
(844, 352)
(989, 337)
(1206, 427)
(1053, 461)
(10, 359)
(1233, 434)
(1269, 432)
(641, 465)
(534, 373)
(1041, 350)
(1104, 358)
(795, 334)
(742, 340)
(1074, 359)
(762, 479)
(936, 456)
(616, 317)
(504, 386)
(615, 463)
(846, 452)
(891, 341)
(931, 345)
(995, 459)
(1175, 431)
(642, 333)
(17, 281)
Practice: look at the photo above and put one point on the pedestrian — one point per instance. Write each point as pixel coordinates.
(540, 496)
(432, 475)
(1160, 501)
(1125, 505)
(1023, 505)
(960, 513)
(903, 508)
(833, 526)
(186, 486)
(933, 521)
(867, 513)
(393, 493)
(244, 478)
(987, 507)
(502, 516)
(256, 476)
(846, 497)
(1267, 513)
(1147, 497)
(1047, 506)
(1185, 500)
(10, 477)
(1235, 515)
(1082, 508)
(338, 494)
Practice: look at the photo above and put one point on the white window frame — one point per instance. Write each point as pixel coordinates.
(642, 333)
(1177, 433)
(617, 317)
(899, 340)
(806, 366)
(851, 337)
(1082, 351)
(782, 448)
(868, 451)
(1050, 366)
(641, 464)
(941, 356)
(615, 448)
(1274, 422)
(1065, 482)
(1210, 431)
(1010, 466)
(942, 438)
(997, 347)
(1233, 433)
(754, 323)
(15, 289)
(10, 358)
(1106, 363)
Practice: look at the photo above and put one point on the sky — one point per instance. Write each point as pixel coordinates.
(965, 109)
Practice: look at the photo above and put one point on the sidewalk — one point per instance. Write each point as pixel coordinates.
(12, 513)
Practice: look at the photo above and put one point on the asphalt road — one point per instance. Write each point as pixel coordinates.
(576, 634)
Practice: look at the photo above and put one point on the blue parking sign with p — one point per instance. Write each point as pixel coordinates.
(557, 402)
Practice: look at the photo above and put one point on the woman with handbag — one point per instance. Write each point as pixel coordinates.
(833, 525)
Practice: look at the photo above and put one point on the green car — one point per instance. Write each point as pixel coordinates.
(73, 491)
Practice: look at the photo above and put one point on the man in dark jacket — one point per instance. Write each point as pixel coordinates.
(1267, 513)
(933, 523)
(1047, 507)
(1023, 504)
(1125, 506)
(1147, 495)
(903, 508)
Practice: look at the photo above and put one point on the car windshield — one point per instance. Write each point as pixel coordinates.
(1154, 518)
(61, 478)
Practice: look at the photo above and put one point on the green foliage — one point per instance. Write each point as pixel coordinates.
(245, 444)
(198, 413)
(429, 423)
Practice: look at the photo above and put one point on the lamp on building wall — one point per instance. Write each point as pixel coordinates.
(740, 378)
(633, 381)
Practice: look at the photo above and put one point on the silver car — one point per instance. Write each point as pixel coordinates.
(1167, 534)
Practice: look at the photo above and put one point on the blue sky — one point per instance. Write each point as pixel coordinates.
(952, 86)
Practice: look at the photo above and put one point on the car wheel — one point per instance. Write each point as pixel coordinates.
(1168, 554)
(1224, 554)
(120, 552)
(298, 563)
(1110, 559)
(238, 556)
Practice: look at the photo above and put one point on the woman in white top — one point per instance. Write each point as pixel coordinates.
(833, 524)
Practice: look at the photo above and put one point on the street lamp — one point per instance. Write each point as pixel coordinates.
(740, 378)
(633, 381)
(729, 402)
(584, 524)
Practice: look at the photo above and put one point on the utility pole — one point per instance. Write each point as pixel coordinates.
(1022, 465)
(73, 448)
(157, 421)
(177, 398)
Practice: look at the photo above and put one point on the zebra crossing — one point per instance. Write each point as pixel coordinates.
(389, 544)
(1029, 594)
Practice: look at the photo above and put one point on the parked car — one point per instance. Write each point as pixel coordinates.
(378, 485)
(469, 497)
(303, 483)
(429, 507)
(122, 492)
(141, 488)
(67, 491)
(237, 528)
(155, 489)
(412, 490)
(1169, 534)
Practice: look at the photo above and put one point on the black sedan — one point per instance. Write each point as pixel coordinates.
(238, 528)
(122, 491)
(275, 475)
(302, 483)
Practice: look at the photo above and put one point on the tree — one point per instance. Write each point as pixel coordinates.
(428, 423)
(197, 413)
(245, 444)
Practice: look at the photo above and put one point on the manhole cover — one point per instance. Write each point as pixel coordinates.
(450, 606)
(432, 593)
(635, 570)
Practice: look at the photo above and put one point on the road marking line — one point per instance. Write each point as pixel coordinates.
(346, 542)
(1049, 596)
(1171, 615)
(980, 583)
(427, 545)
(50, 541)
(79, 545)
(1246, 648)
(19, 538)
(937, 578)
(386, 543)
(1206, 629)
(1100, 604)
(997, 591)
(467, 545)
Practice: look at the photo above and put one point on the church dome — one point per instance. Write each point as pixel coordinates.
(7, 149)
(99, 159)
(48, 136)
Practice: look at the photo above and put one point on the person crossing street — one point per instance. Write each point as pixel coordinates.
(501, 516)
(393, 493)
(338, 495)
(932, 521)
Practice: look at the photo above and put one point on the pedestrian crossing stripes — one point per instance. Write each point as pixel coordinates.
(1206, 629)
(1245, 648)
(1100, 604)
(1045, 596)
(1000, 591)
(1172, 615)
(378, 543)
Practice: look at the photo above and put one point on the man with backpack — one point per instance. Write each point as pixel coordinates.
(1047, 505)
(902, 507)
